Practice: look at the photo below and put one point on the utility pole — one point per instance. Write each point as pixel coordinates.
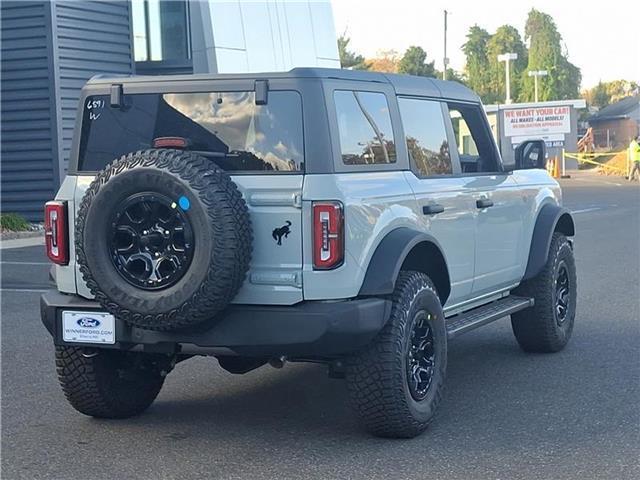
(535, 74)
(445, 60)
(506, 58)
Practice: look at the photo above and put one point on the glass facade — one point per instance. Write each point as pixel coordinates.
(160, 30)
(232, 36)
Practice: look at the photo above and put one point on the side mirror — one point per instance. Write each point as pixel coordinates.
(531, 154)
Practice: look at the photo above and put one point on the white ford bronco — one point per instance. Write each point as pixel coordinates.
(356, 219)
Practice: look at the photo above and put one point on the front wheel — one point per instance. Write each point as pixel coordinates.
(395, 383)
(107, 383)
(547, 326)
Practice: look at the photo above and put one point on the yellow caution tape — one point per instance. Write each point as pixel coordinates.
(578, 156)
(581, 158)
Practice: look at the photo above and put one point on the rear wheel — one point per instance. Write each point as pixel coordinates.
(395, 383)
(547, 326)
(110, 383)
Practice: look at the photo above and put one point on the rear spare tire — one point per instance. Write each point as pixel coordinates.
(163, 239)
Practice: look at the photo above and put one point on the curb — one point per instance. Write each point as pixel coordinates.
(17, 235)
(29, 241)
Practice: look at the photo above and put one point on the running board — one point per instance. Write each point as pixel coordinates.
(488, 313)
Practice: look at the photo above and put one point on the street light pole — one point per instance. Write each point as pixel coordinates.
(445, 60)
(506, 58)
(535, 74)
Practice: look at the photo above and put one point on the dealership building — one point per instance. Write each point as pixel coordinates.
(50, 49)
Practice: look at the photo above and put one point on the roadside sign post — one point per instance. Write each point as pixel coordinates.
(564, 168)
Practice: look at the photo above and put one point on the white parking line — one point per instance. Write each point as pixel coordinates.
(24, 263)
(27, 290)
(585, 210)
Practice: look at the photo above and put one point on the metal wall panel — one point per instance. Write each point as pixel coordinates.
(91, 38)
(27, 111)
(49, 51)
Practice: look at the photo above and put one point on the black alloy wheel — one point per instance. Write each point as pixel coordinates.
(421, 356)
(152, 243)
(562, 293)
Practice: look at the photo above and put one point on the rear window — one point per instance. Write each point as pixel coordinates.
(228, 127)
(364, 123)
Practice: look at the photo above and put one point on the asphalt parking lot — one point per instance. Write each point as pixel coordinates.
(506, 414)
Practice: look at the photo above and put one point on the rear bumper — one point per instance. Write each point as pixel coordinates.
(308, 329)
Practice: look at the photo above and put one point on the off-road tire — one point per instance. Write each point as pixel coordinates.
(537, 329)
(221, 226)
(377, 377)
(108, 383)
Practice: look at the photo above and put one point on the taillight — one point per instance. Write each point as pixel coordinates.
(328, 235)
(55, 232)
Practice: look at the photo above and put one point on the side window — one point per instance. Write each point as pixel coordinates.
(364, 123)
(426, 136)
(474, 141)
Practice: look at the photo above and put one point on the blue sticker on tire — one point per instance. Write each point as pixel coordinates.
(184, 203)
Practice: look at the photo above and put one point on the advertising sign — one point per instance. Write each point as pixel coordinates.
(555, 140)
(538, 121)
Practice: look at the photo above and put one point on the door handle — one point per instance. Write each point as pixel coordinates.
(484, 203)
(432, 209)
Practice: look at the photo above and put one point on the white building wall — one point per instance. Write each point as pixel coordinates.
(260, 36)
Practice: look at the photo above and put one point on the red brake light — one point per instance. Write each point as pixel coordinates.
(170, 142)
(328, 235)
(56, 233)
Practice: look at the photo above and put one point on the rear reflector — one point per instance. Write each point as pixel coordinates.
(56, 232)
(170, 142)
(328, 235)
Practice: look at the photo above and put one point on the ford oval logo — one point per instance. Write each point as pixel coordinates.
(88, 322)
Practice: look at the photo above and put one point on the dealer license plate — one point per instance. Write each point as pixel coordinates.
(88, 327)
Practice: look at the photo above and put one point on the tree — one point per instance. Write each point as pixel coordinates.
(413, 62)
(386, 61)
(605, 93)
(619, 89)
(546, 53)
(505, 40)
(477, 66)
(597, 96)
(349, 59)
(453, 75)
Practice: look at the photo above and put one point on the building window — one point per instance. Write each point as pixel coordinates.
(160, 30)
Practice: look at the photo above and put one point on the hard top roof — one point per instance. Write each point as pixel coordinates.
(403, 84)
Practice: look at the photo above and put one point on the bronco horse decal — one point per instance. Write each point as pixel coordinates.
(280, 232)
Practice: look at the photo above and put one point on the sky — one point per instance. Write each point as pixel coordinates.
(602, 38)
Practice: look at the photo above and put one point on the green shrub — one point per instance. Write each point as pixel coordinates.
(13, 222)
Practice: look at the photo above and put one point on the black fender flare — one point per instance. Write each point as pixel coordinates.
(390, 254)
(551, 218)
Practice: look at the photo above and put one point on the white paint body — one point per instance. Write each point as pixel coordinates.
(486, 250)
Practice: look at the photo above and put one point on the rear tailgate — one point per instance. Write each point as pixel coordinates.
(261, 146)
(275, 275)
